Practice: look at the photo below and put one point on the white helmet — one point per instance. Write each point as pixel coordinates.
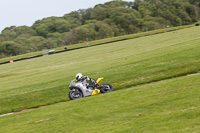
(78, 76)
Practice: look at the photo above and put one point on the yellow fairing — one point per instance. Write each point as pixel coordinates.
(99, 80)
(95, 92)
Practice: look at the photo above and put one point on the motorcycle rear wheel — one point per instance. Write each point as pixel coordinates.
(106, 88)
(75, 94)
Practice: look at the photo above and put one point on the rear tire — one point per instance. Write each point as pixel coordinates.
(75, 94)
(106, 88)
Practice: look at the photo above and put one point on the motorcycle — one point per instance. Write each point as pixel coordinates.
(83, 88)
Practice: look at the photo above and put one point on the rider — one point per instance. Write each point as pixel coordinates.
(81, 77)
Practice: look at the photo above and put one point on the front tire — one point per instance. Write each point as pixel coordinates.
(106, 88)
(75, 94)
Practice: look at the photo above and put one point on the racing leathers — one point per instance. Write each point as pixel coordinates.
(86, 78)
(91, 81)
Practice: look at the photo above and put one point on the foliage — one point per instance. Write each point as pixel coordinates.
(111, 19)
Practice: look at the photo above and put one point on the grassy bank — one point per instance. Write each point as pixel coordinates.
(165, 107)
(45, 80)
(106, 40)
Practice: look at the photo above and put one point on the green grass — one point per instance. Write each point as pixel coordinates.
(169, 106)
(45, 80)
(106, 40)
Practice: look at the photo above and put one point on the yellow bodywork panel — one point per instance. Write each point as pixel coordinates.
(99, 80)
(95, 92)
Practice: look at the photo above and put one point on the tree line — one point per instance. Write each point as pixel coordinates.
(114, 18)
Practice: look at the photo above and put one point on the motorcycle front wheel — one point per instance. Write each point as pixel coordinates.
(106, 88)
(75, 94)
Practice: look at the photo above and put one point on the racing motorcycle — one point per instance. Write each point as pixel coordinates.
(84, 89)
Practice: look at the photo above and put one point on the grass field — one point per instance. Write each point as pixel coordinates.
(45, 80)
(166, 106)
